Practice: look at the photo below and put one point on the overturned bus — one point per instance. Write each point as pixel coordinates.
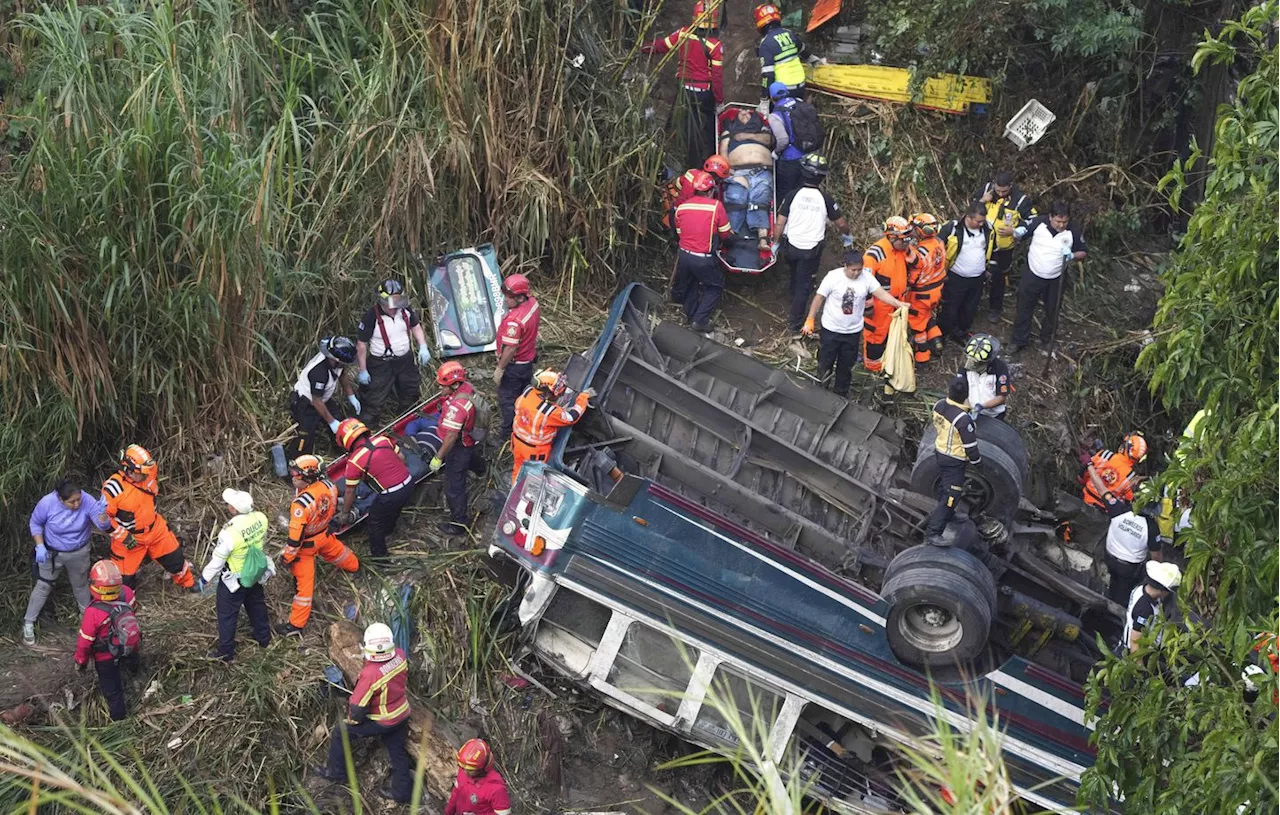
(713, 526)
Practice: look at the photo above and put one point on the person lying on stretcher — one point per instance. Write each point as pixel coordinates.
(747, 140)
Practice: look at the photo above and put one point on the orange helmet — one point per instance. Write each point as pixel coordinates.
(308, 466)
(702, 181)
(105, 580)
(349, 430)
(135, 458)
(451, 373)
(551, 381)
(475, 755)
(515, 285)
(925, 225)
(1134, 446)
(766, 13)
(897, 227)
(717, 165)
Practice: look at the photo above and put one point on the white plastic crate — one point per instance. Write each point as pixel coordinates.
(1029, 124)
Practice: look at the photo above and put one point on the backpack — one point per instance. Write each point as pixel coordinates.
(483, 413)
(254, 566)
(124, 635)
(807, 133)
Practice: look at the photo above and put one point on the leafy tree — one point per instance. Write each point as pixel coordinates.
(1208, 748)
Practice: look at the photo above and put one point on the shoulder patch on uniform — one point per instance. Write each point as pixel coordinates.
(297, 512)
(512, 330)
(875, 252)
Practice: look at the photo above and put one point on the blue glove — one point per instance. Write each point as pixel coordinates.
(354, 402)
(362, 377)
(1019, 231)
(42, 553)
(846, 240)
(424, 356)
(333, 426)
(1067, 253)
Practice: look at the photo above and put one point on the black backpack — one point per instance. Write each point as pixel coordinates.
(807, 133)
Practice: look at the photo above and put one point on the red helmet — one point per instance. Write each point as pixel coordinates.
(1134, 446)
(925, 225)
(701, 17)
(702, 181)
(475, 755)
(105, 580)
(349, 430)
(897, 227)
(515, 284)
(766, 13)
(717, 165)
(452, 372)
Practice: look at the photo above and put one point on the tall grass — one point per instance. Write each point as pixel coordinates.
(206, 191)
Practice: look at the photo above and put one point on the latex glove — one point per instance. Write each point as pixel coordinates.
(1067, 253)
(974, 413)
(763, 107)
(436, 464)
(846, 240)
(333, 426)
(362, 377)
(354, 401)
(42, 553)
(497, 376)
(424, 355)
(808, 328)
(1018, 232)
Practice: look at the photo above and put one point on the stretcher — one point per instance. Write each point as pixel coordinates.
(744, 255)
(949, 93)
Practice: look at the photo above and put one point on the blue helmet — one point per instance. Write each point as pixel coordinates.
(778, 91)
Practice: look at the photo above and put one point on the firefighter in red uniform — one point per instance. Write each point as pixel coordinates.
(111, 600)
(379, 706)
(681, 189)
(137, 530)
(479, 788)
(887, 259)
(1115, 470)
(376, 460)
(538, 417)
(458, 454)
(517, 347)
(924, 286)
(309, 536)
(701, 224)
(701, 75)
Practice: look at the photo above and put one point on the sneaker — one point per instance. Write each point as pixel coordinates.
(28, 633)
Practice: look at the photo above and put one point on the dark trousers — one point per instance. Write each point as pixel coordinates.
(705, 283)
(309, 424)
(229, 602)
(804, 267)
(786, 177)
(1001, 262)
(1124, 576)
(384, 512)
(960, 298)
(1031, 291)
(112, 683)
(699, 114)
(387, 374)
(393, 738)
(457, 463)
(950, 488)
(839, 351)
(515, 378)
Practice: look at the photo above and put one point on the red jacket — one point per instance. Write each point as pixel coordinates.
(701, 59)
(486, 795)
(93, 628)
(380, 694)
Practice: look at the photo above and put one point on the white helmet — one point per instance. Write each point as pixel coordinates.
(1166, 575)
(379, 645)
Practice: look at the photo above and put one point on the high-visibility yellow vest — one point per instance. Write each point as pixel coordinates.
(245, 531)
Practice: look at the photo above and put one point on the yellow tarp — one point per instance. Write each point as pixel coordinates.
(899, 361)
(951, 93)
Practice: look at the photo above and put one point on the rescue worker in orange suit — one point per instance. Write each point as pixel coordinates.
(924, 287)
(517, 347)
(1115, 471)
(458, 454)
(309, 516)
(110, 595)
(479, 788)
(137, 530)
(539, 416)
(702, 224)
(378, 707)
(377, 461)
(700, 73)
(888, 259)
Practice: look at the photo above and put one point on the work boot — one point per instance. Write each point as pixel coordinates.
(322, 771)
(701, 328)
(1017, 349)
(936, 540)
(385, 792)
(28, 633)
(286, 629)
(451, 529)
(995, 316)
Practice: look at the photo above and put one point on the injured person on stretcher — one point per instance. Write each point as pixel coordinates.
(418, 445)
(747, 141)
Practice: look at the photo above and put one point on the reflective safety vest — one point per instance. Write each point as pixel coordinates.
(245, 531)
(787, 67)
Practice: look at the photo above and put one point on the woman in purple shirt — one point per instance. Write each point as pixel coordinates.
(60, 526)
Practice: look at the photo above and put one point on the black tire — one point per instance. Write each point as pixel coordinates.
(936, 618)
(1002, 435)
(951, 559)
(994, 489)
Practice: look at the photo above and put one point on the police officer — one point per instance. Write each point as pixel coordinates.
(701, 224)
(781, 54)
(246, 529)
(517, 347)
(956, 448)
(384, 352)
(309, 403)
(457, 455)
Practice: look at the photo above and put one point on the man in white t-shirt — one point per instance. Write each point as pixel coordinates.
(842, 296)
(1054, 243)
